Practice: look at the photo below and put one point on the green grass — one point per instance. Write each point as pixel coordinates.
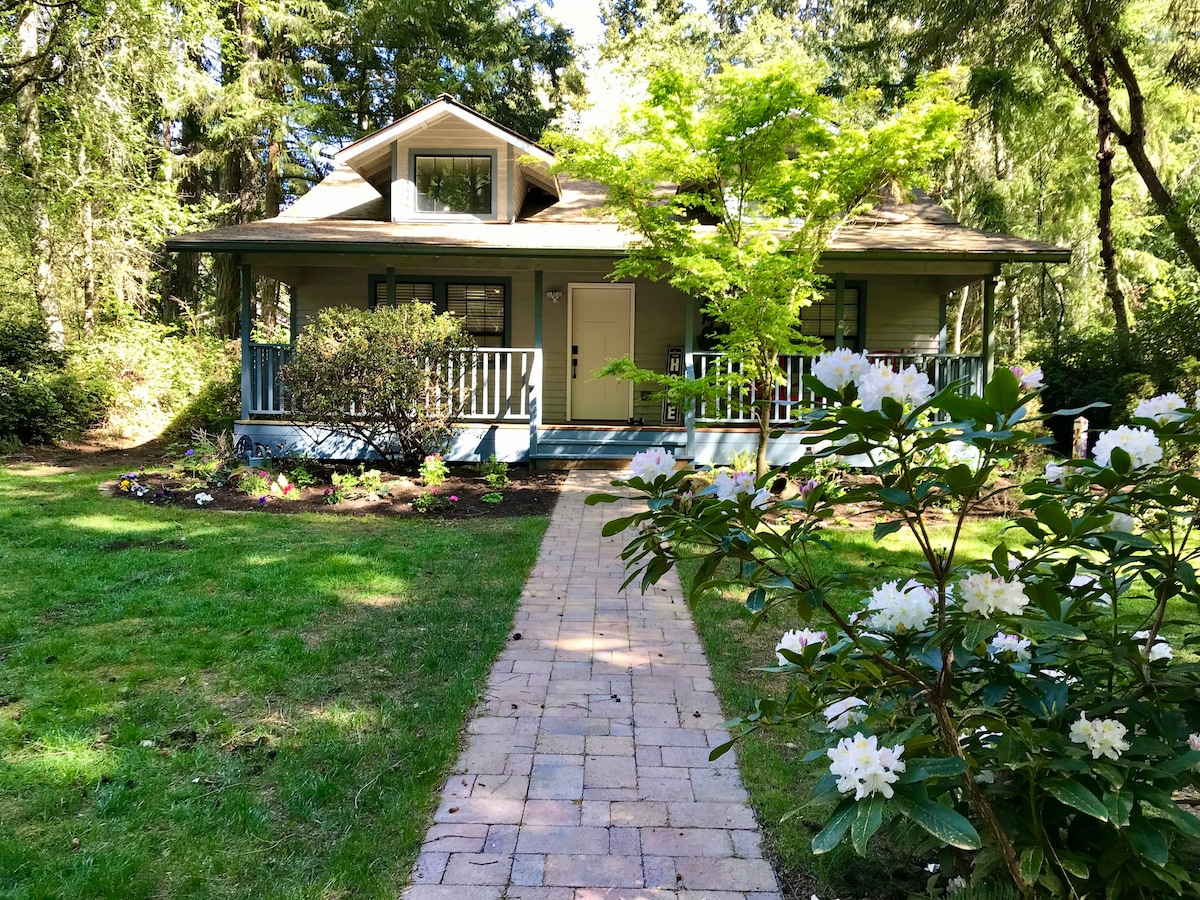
(232, 705)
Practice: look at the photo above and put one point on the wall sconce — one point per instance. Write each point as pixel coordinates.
(554, 296)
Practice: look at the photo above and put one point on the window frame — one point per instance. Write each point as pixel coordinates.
(830, 295)
(493, 155)
(440, 285)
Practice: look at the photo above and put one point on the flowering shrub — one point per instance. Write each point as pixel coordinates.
(1025, 711)
(434, 470)
(255, 482)
(432, 501)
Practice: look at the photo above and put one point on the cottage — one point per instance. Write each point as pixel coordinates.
(449, 207)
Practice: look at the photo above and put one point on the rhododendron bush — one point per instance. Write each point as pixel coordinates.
(1027, 713)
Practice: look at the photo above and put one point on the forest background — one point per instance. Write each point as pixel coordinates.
(125, 121)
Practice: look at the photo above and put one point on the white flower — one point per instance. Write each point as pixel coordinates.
(960, 453)
(1010, 643)
(985, 594)
(651, 464)
(761, 498)
(898, 609)
(1194, 744)
(838, 368)
(1122, 522)
(985, 776)
(1161, 408)
(1140, 443)
(1031, 380)
(1103, 737)
(881, 381)
(957, 884)
(730, 484)
(1055, 473)
(796, 640)
(1160, 650)
(202, 499)
(844, 713)
(865, 768)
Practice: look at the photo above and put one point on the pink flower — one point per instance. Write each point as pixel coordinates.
(453, 499)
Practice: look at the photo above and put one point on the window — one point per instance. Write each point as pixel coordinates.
(819, 319)
(454, 184)
(481, 305)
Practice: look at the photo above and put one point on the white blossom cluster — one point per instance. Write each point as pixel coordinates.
(653, 463)
(962, 453)
(730, 484)
(203, 499)
(1160, 649)
(1010, 643)
(796, 640)
(1103, 737)
(986, 594)
(1140, 443)
(865, 768)
(898, 609)
(838, 368)
(1121, 522)
(844, 713)
(882, 381)
(1161, 408)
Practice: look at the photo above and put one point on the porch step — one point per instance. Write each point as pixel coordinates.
(604, 448)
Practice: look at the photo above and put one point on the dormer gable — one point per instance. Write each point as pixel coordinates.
(446, 162)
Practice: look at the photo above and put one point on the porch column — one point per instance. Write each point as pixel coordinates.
(247, 286)
(989, 336)
(293, 313)
(943, 302)
(839, 310)
(391, 287)
(689, 372)
(535, 389)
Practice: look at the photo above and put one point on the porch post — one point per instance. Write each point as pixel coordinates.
(839, 310)
(293, 314)
(689, 372)
(943, 301)
(391, 287)
(989, 335)
(535, 389)
(247, 285)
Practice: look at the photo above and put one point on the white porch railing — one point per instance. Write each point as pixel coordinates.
(736, 408)
(493, 385)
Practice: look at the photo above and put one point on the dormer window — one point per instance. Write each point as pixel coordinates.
(454, 184)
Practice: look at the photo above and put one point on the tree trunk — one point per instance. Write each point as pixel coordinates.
(1104, 163)
(763, 413)
(25, 78)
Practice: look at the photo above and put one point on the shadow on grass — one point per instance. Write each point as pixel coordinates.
(197, 704)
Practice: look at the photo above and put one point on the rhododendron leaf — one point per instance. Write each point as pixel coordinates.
(1185, 822)
(1120, 804)
(1075, 795)
(1003, 391)
(1054, 517)
(994, 693)
(835, 829)
(867, 819)
(883, 529)
(1031, 863)
(1120, 461)
(977, 632)
(894, 496)
(593, 499)
(935, 767)
(1147, 841)
(1054, 628)
(942, 822)
(616, 526)
(1181, 763)
(720, 750)
(756, 600)
(1074, 864)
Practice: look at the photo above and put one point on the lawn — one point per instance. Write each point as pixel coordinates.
(778, 782)
(205, 704)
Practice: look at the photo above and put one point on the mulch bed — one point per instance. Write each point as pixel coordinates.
(528, 494)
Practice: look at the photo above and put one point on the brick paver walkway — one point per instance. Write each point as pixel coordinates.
(586, 774)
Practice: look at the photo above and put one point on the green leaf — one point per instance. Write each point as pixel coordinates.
(1076, 796)
(1119, 805)
(835, 829)
(1185, 822)
(894, 496)
(1054, 517)
(1181, 763)
(1054, 628)
(1003, 391)
(867, 819)
(593, 499)
(756, 600)
(721, 749)
(883, 529)
(942, 822)
(1031, 863)
(616, 526)
(979, 631)
(1148, 842)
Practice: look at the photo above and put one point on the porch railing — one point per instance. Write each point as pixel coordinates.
(736, 408)
(493, 385)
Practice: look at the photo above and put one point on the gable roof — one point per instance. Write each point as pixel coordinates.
(426, 115)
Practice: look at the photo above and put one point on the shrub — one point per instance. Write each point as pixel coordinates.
(384, 378)
(434, 470)
(1023, 712)
(494, 472)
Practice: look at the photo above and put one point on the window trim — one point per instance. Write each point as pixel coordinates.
(493, 155)
(440, 283)
(861, 306)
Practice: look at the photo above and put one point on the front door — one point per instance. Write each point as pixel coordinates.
(601, 329)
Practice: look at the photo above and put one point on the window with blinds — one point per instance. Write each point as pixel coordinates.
(406, 292)
(481, 308)
(819, 319)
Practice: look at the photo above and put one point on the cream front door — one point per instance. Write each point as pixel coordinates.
(601, 329)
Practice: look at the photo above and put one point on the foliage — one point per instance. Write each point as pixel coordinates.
(493, 497)
(255, 482)
(431, 501)
(383, 378)
(434, 470)
(275, 681)
(209, 457)
(762, 182)
(1023, 708)
(494, 472)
